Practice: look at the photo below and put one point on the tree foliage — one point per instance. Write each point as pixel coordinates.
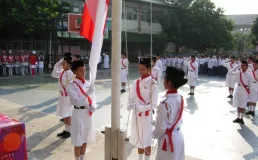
(254, 32)
(198, 26)
(242, 42)
(31, 18)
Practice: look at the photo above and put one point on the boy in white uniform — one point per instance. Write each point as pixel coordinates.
(169, 118)
(143, 99)
(124, 71)
(62, 71)
(81, 97)
(192, 74)
(253, 89)
(242, 91)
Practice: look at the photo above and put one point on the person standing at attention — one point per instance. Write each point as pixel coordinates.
(143, 98)
(124, 71)
(62, 71)
(80, 94)
(169, 118)
(192, 74)
(242, 91)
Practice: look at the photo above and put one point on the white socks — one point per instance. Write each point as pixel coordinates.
(82, 157)
(240, 115)
(77, 158)
(141, 156)
(231, 92)
(147, 157)
(123, 87)
(68, 128)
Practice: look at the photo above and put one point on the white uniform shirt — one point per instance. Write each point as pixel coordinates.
(67, 76)
(124, 64)
(246, 76)
(210, 63)
(155, 73)
(160, 65)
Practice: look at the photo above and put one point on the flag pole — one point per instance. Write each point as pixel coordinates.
(115, 75)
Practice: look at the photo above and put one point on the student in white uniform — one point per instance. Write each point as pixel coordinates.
(41, 63)
(159, 64)
(192, 74)
(155, 71)
(169, 118)
(250, 62)
(143, 99)
(124, 71)
(242, 91)
(253, 89)
(62, 71)
(106, 61)
(230, 80)
(84, 103)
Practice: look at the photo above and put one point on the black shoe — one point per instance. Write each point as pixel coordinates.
(230, 96)
(253, 113)
(66, 135)
(237, 120)
(61, 134)
(249, 113)
(190, 93)
(122, 91)
(241, 121)
(62, 120)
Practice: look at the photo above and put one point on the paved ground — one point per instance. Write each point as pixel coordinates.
(208, 128)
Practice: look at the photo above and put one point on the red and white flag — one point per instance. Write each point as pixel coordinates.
(92, 28)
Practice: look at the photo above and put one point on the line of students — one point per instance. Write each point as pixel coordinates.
(77, 103)
(242, 82)
(22, 63)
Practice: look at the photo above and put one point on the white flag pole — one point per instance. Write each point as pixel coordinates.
(115, 74)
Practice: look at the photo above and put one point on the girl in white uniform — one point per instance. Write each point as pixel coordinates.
(242, 91)
(230, 80)
(41, 63)
(253, 89)
(64, 108)
(84, 103)
(143, 99)
(169, 118)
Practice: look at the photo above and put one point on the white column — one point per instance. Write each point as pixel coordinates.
(115, 74)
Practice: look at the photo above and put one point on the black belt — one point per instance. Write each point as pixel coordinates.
(82, 107)
(122, 68)
(191, 70)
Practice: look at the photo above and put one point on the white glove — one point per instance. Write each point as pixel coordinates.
(153, 123)
(92, 109)
(131, 106)
(91, 89)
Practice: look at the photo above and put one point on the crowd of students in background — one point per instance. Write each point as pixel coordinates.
(21, 63)
(209, 65)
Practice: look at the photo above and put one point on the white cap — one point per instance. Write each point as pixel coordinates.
(10, 51)
(33, 52)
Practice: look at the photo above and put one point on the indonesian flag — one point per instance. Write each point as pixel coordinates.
(92, 28)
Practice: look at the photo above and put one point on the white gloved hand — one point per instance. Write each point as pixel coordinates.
(91, 89)
(92, 109)
(153, 123)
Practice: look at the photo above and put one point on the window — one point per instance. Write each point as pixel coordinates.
(131, 13)
(76, 10)
(145, 15)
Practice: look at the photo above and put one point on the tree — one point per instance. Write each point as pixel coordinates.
(197, 26)
(30, 18)
(254, 32)
(242, 42)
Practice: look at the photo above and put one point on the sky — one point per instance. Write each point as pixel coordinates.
(238, 6)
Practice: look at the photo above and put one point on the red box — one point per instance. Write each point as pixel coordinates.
(12, 139)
